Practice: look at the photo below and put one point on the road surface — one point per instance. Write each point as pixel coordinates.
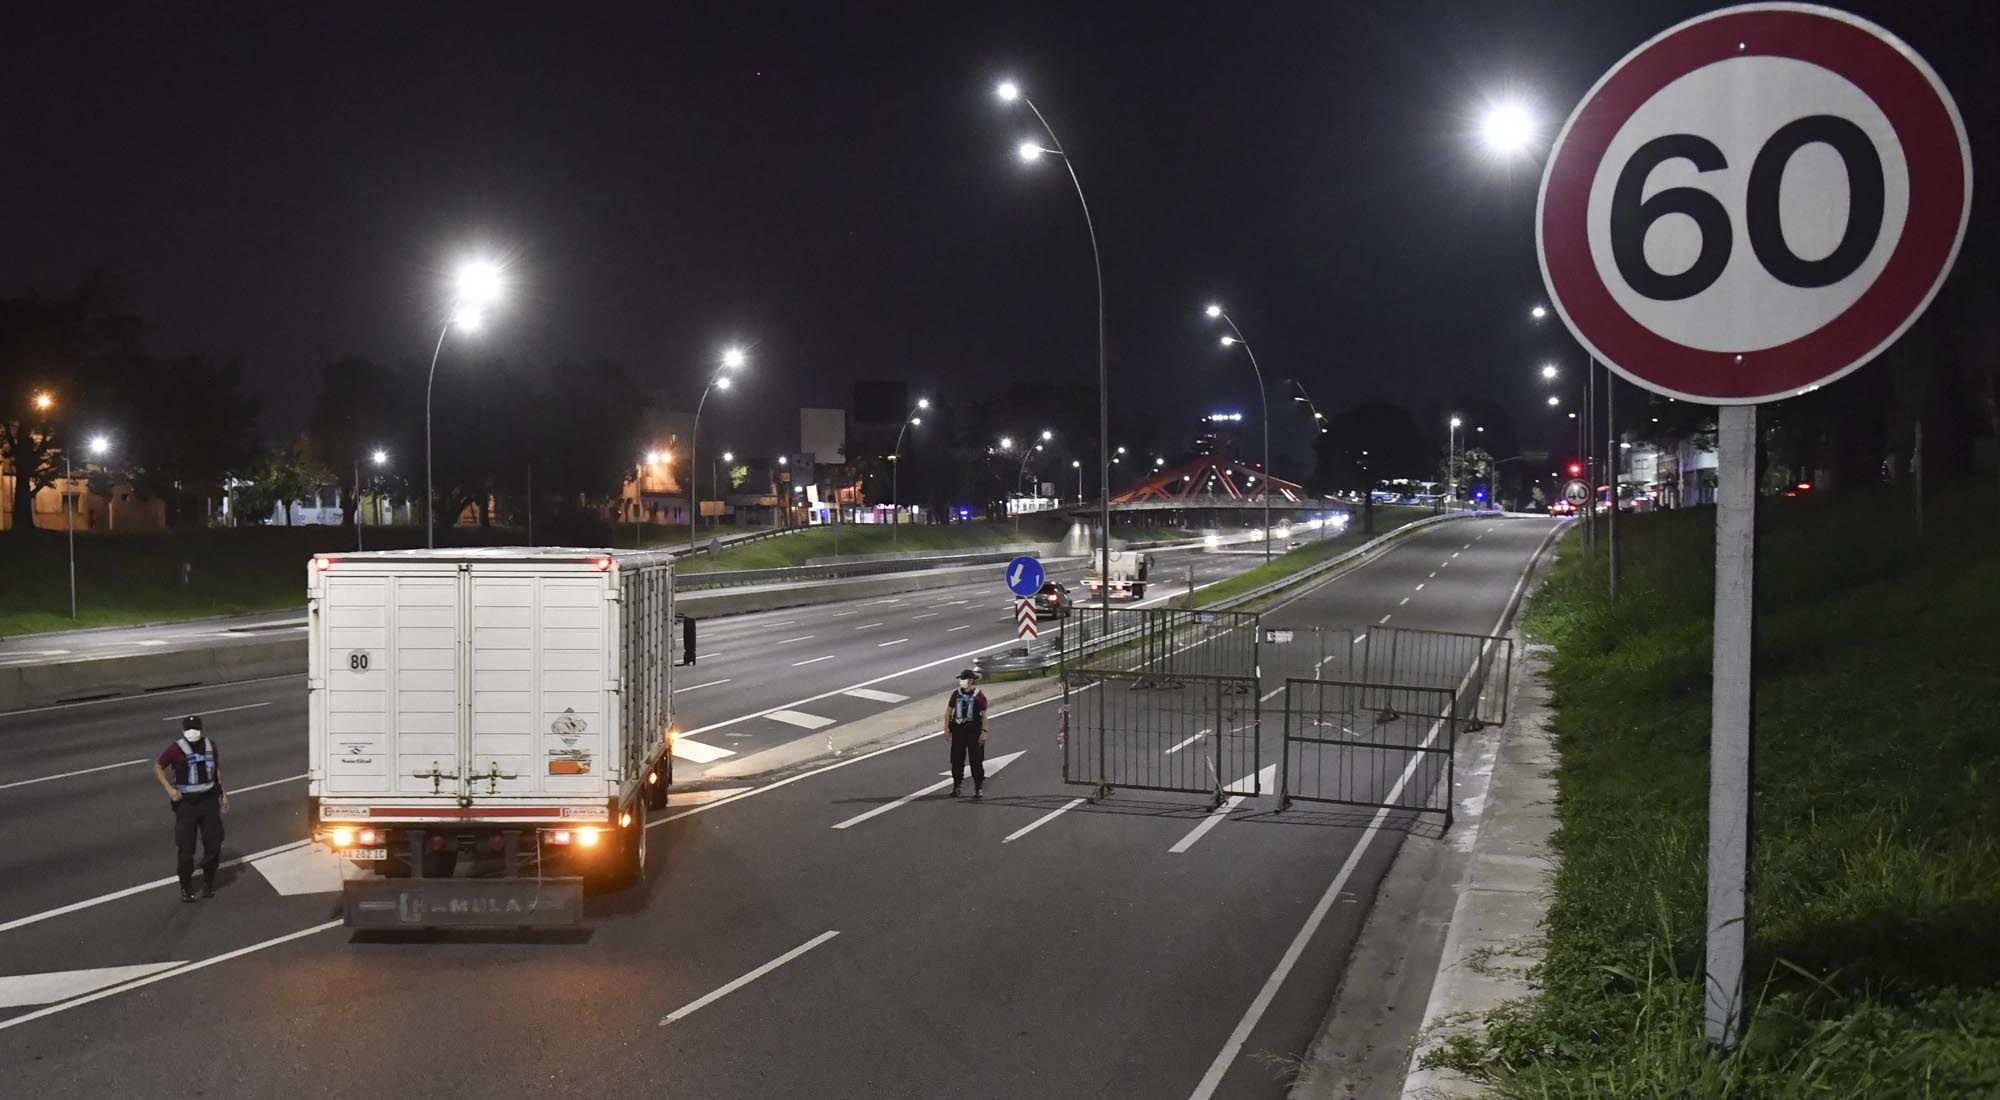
(843, 931)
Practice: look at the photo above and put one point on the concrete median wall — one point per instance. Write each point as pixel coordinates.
(25, 686)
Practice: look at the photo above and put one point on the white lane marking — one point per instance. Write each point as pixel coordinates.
(1402, 601)
(1212, 1080)
(65, 910)
(842, 614)
(272, 783)
(1455, 553)
(957, 603)
(1186, 743)
(1383, 619)
(698, 687)
(1361, 637)
(696, 798)
(877, 696)
(66, 775)
(22, 990)
(897, 599)
(882, 679)
(789, 641)
(799, 719)
(919, 739)
(1264, 778)
(56, 652)
(814, 661)
(151, 642)
(1434, 574)
(1042, 820)
(218, 710)
(153, 694)
(784, 622)
(1420, 588)
(699, 753)
(867, 626)
(993, 766)
(925, 615)
(955, 629)
(1467, 546)
(697, 1005)
(1446, 564)
(189, 968)
(885, 645)
(302, 871)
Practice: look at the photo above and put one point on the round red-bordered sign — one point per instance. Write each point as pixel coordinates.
(1927, 160)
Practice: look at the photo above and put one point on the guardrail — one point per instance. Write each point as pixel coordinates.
(785, 574)
(1038, 658)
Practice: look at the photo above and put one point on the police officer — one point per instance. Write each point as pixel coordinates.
(190, 770)
(965, 724)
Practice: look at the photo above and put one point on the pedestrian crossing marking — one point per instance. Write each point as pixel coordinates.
(800, 719)
(876, 696)
(698, 753)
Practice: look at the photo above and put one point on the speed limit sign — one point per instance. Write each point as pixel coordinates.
(1754, 203)
(1576, 492)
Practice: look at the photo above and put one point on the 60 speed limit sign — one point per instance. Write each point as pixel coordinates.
(1753, 203)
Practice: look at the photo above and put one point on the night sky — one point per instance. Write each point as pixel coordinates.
(834, 185)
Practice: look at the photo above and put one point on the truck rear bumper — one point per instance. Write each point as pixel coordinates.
(410, 903)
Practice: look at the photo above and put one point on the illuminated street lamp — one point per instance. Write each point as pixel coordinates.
(720, 380)
(1010, 92)
(99, 446)
(911, 420)
(1507, 127)
(1549, 372)
(476, 287)
(1451, 449)
(1232, 339)
(1538, 313)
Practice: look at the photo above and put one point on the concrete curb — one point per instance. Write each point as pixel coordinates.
(1496, 935)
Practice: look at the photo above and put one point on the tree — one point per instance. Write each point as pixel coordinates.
(283, 475)
(189, 426)
(362, 405)
(1370, 443)
(66, 350)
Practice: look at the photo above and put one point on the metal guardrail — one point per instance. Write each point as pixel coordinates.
(723, 578)
(1040, 657)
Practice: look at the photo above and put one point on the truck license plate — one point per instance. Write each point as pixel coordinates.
(366, 853)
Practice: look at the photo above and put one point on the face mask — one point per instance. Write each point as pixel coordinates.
(965, 685)
(193, 736)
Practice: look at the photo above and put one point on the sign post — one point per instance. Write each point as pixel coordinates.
(1749, 206)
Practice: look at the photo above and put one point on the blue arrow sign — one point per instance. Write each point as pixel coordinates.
(1024, 576)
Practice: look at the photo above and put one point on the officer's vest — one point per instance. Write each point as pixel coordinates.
(197, 774)
(964, 708)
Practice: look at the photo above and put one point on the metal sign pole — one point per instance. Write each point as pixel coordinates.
(1729, 755)
(1611, 453)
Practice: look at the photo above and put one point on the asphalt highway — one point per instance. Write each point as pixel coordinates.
(840, 931)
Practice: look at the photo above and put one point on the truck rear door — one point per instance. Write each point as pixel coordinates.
(540, 657)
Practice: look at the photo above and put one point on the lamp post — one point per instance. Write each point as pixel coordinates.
(1451, 451)
(99, 446)
(715, 479)
(1236, 337)
(731, 359)
(478, 286)
(1304, 398)
(378, 457)
(896, 469)
(1031, 151)
(1077, 465)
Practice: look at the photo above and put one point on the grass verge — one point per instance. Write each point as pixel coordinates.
(1875, 909)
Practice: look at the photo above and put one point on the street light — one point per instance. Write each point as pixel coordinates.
(1538, 313)
(1507, 127)
(1234, 338)
(98, 446)
(43, 401)
(1010, 92)
(1549, 372)
(910, 420)
(477, 286)
(1451, 450)
(378, 456)
(1077, 465)
(732, 359)
(1319, 418)
(1554, 401)
(1026, 453)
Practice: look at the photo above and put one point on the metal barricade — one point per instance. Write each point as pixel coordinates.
(1373, 745)
(1125, 729)
(1478, 667)
(1167, 643)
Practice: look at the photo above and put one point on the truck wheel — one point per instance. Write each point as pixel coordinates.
(628, 864)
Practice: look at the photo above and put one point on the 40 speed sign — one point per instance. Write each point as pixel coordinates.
(1753, 203)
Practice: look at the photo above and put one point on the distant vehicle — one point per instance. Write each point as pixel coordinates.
(1053, 602)
(1128, 577)
(487, 728)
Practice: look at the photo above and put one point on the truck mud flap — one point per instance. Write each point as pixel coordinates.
(390, 903)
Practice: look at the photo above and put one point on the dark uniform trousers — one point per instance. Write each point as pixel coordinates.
(198, 813)
(965, 745)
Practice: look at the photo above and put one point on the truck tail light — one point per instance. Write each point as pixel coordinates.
(369, 838)
(558, 836)
(343, 838)
(322, 563)
(602, 564)
(586, 838)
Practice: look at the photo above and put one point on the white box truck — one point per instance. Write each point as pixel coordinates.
(1128, 576)
(489, 728)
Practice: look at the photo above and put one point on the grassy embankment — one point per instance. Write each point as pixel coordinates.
(1875, 910)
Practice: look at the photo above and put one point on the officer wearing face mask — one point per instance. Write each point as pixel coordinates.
(190, 770)
(965, 724)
